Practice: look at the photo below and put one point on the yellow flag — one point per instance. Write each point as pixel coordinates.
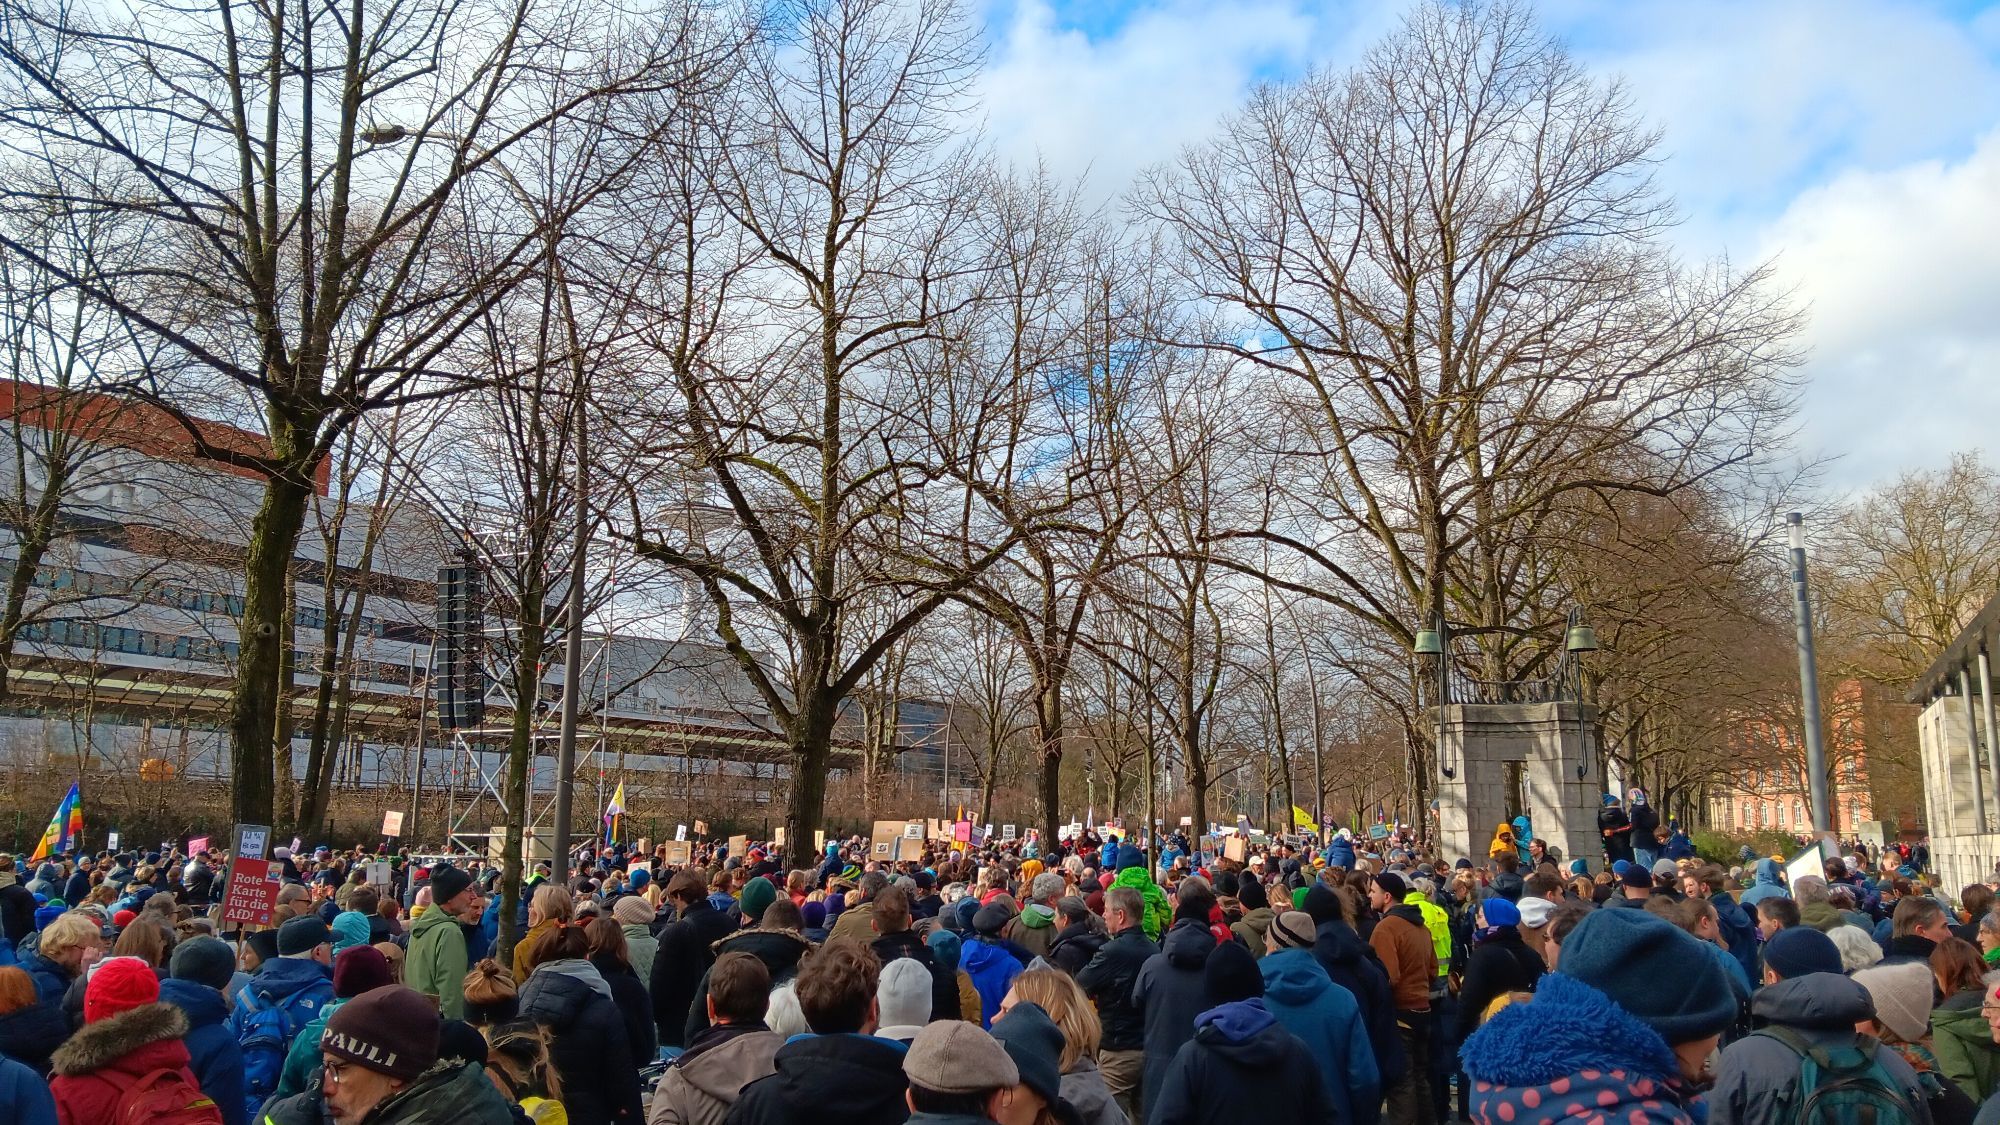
(1300, 819)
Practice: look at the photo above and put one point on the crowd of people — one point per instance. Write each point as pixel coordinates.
(1087, 981)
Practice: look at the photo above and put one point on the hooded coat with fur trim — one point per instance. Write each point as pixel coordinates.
(105, 1059)
(1572, 1054)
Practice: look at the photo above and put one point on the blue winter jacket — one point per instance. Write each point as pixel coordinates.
(24, 1095)
(1739, 932)
(52, 981)
(1765, 886)
(214, 1056)
(1340, 853)
(1327, 1020)
(992, 970)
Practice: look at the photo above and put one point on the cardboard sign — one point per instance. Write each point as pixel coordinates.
(910, 849)
(196, 846)
(914, 830)
(1378, 832)
(679, 853)
(392, 823)
(819, 840)
(378, 872)
(701, 828)
(739, 845)
(1187, 822)
(680, 832)
(778, 836)
(882, 837)
(1235, 847)
(251, 889)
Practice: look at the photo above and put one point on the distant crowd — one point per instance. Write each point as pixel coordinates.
(1086, 981)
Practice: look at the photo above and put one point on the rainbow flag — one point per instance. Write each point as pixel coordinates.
(612, 812)
(65, 828)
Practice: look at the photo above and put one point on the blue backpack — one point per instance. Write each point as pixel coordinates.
(265, 1032)
(1843, 1085)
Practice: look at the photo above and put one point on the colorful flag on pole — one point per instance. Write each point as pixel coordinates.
(65, 828)
(612, 812)
(1300, 819)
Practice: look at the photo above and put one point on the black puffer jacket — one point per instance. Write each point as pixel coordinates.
(1500, 964)
(780, 950)
(1239, 1063)
(635, 1008)
(687, 949)
(1108, 981)
(1169, 995)
(828, 1080)
(600, 1078)
(31, 1034)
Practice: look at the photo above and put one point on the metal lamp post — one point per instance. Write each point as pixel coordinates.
(1809, 675)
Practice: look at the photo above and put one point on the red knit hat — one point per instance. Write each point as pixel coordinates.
(123, 918)
(119, 985)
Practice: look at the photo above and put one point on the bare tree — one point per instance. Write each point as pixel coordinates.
(302, 168)
(1451, 271)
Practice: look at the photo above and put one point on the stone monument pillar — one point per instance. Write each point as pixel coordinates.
(1497, 760)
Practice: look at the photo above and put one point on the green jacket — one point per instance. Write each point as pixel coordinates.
(435, 964)
(1965, 1050)
(1158, 913)
(302, 1059)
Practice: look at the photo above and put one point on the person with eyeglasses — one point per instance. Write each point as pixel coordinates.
(380, 1064)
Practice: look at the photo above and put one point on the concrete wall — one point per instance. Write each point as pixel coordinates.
(1962, 850)
(1478, 740)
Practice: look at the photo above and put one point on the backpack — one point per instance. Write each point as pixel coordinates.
(165, 1097)
(266, 1034)
(1843, 1085)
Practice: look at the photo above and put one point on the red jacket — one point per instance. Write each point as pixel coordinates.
(95, 1067)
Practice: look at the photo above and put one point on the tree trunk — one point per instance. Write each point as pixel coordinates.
(317, 790)
(1049, 738)
(254, 706)
(520, 758)
(811, 746)
(35, 537)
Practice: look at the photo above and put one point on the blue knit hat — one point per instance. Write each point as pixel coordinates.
(1798, 950)
(1500, 912)
(1664, 976)
(1129, 856)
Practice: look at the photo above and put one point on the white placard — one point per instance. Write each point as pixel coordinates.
(680, 833)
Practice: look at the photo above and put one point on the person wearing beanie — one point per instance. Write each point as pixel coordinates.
(437, 957)
(1133, 873)
(1352, 964)
(128, 1037)
(1901, 995)
(1035, 1044)
(360, 969)
(1240, 1060)
(1615, 828)
(1498, 963)
(958, 1074)
(758, 894)
(1300, 994)
(634, 916)
(1034, 928)
(1257, 915)
(1109, 980)
(903, 999)
(1602, 1035)
(1635, 886)
(990, 959)
(286, 994)
(1805, 1005)
(812, 917)
(383, 1064)
(1169, 993)
(1408, 954)
(200, 969)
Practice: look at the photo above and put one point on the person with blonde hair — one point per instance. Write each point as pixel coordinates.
(69, 945)
(1082, 1084)
(519, 1065)
(550, 909)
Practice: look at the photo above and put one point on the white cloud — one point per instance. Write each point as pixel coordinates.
(1162, 79)
(1900, 269)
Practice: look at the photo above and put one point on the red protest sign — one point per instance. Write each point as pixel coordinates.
(252, 892)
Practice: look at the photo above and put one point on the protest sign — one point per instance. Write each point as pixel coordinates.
(1009, 832)
(679, 852)
(701, 828)
(251, 889)
(392, 823)
(197, 845)
(680, 832)
(739, 845)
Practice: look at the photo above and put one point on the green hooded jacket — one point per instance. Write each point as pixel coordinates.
(1158, 913)
(1965, 1050)
(435, 964)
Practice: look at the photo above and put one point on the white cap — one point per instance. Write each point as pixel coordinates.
(1535, 912)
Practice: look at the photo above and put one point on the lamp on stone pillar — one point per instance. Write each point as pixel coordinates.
(1430, 644)
(1577, 640)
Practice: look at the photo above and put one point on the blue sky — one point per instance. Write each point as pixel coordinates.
(1854, 144)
